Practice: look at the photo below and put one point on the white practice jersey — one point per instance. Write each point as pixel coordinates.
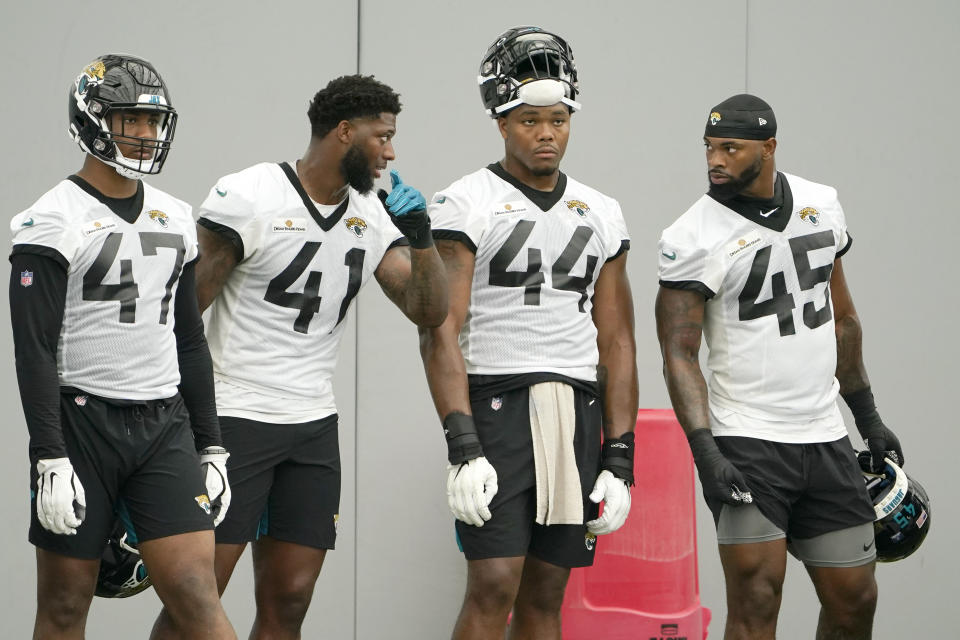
(532, 291)
(117, 337)
(769, 320)
(275, 328)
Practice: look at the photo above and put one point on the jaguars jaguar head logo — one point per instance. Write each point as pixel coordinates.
(715, 117)
(357, 225)
(91, 75)
(159, 217)
(579, 206)
(811, 215)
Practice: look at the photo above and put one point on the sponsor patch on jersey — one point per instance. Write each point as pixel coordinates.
(579, 206)
(104, 224)
(741, 245)
(26, 278)
(289, 225)
(220, 192)
(356, 225)
(715, 117)
(811, 215)
(159, 217)
(204, 502)
(27, 223)
(439, 199)
(510, 207)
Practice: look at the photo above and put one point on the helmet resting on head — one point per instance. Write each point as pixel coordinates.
(527, 65)
(121, 83)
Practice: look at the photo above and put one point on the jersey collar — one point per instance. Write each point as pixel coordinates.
(325, 223)
(543, 199)
(758, 210)
(126, 208)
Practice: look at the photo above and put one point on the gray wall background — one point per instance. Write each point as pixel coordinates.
(865, 94)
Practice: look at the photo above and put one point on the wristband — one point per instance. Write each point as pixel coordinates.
(463, 443)
(617, 457)
(864, 409)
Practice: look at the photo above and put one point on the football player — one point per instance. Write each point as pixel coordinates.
(114, 371)
(537, 353)
(754, 266)
(285, 249)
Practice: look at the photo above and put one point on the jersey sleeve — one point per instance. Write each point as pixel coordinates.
(453, 217)
(840, 231)
(684, 264)
(619, 240)
(44, 233)
(230, 209)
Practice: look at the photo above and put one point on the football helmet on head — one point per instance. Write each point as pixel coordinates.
(122, 572)
(902, 509)
(121, 83)
(527, 65)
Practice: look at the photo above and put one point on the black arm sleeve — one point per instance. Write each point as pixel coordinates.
(38, 294)
(196, 366)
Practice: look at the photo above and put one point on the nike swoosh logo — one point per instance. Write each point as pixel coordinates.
(767, 214)
(866, 547)
(27, 223)
(669, 256)
(222, 194)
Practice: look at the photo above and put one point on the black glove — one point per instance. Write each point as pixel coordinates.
(720, 479)
(617, 457)
(407, 209)
(879, 439)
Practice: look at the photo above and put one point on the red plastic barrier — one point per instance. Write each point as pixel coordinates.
(643, 584)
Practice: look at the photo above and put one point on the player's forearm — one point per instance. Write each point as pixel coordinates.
(851, 372)
(445, 369)
(688, 392)
(426, 298)
(617, 378)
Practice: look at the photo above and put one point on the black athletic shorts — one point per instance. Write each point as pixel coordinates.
(503, 424)
(285, 480)
(138, 458)
(804, 489)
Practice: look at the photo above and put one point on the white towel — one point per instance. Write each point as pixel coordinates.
(552, 425)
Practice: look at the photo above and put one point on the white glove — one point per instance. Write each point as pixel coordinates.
(616, 503)
(213, 465)
(61, 501)
(471, 486)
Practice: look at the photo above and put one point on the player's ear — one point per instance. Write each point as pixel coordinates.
(344, 131)
(769, 147)
(502, 125)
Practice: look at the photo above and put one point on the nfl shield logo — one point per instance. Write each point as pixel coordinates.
(496, 403)
(26, 278)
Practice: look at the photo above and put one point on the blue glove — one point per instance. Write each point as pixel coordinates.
(403, 198)
(407, 209)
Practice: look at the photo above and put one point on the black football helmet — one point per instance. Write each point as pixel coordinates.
(122, 572)
(121, 83)
(902, 510)
(527, 65)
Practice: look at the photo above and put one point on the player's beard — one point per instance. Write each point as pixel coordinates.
(736, 184)
(356, 170)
